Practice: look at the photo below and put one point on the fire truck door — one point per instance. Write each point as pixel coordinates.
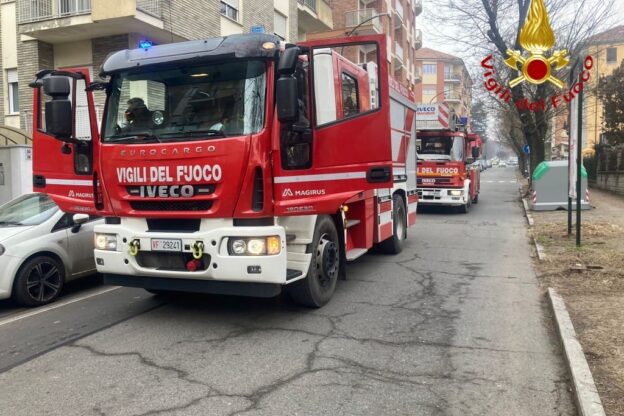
(63, 167)
(349, 125)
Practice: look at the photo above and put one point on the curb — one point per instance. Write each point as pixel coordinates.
(585, 392)
(528, 216)
(540, 250)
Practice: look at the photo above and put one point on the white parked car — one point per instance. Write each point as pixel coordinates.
(41, 248)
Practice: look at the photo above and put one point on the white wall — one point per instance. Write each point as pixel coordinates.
(17, 167)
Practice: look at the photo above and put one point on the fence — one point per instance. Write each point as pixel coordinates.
(36, 10)
(610, 169)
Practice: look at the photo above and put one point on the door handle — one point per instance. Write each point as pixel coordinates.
(379, 174)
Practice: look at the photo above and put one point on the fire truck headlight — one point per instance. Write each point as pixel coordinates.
(456, 193)
(105, 242)
(238, 246)
(254, 246)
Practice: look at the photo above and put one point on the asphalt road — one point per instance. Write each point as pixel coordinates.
(455, 325)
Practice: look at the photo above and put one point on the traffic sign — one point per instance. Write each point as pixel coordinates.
(257, 29)
(527, 149)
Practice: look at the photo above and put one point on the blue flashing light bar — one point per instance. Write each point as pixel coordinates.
(145, 44)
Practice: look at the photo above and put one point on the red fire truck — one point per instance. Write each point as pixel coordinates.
(233, 165)
(447, 174)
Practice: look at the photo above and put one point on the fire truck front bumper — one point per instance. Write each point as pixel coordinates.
(128, 255)
(442, 196)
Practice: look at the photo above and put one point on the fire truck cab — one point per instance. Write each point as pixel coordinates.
(233, 165)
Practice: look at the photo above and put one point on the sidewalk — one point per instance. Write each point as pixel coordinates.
(591, 281)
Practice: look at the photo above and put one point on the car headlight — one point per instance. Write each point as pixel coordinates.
(254, 246)
(2, 249)
(456, 193)
(105, 242)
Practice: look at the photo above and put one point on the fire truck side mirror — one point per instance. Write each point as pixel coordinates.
(288, 61)
(287, 103)
(475, 152)
(58, 111)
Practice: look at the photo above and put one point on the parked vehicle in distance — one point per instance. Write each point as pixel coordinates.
(488, 163)
(41, 248)
(502, 164)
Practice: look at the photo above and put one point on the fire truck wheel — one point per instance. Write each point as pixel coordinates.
(319, 285)
(465, 209)
(394, 244)
(476, 199)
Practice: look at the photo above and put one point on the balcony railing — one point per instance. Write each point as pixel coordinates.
(355, 17)
(309, 3)
(152, 7)
(451, 76)
(399, 9)
(398, 51)
(36, 10)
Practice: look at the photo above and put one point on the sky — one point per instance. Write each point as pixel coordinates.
(426, 23)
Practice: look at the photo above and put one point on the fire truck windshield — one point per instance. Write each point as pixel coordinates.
(441, 148)
(186, 102)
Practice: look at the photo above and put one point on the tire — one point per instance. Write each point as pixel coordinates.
(476, 199)
(318, 287)
(465, 209)
(394, 244)
(39, 281)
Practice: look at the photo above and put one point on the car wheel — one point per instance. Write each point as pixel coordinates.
(318, 287)
(39, 281)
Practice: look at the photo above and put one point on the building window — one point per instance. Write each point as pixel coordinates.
(13, 91)
(350, 97)
(429, 90)
(611, 55)
(279, 24)
(430, 69)
(229, 8)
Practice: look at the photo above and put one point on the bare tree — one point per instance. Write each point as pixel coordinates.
(495, 26)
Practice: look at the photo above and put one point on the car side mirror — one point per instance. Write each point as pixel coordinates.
(78, 220)
(58, 111)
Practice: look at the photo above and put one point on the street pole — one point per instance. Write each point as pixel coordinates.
(579, 167)
(570, 156)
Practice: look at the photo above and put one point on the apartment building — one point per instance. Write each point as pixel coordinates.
(444, 79)
(607, 49)
(394, 18)
(36, 34)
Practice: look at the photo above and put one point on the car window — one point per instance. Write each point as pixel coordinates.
(32, 209)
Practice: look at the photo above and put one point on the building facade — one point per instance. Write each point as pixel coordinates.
(444, 79)
(37, 34)
(394, 18)
(607, 49)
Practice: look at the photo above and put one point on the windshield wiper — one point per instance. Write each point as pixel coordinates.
(195, 133)
(133, 136)
(10, 223)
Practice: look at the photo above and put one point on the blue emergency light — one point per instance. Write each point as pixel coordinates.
(145, 44)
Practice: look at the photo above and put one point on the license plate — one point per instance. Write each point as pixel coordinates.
(165, 244)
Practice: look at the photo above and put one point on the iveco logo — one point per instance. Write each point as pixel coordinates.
(167, 151)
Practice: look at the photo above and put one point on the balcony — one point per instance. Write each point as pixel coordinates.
(418, 7)
(314, 16)
(355, 17)
(398, 10)
(417, 39)
(398, 52)
(450, 76)
(452, 96)
(56, 21)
